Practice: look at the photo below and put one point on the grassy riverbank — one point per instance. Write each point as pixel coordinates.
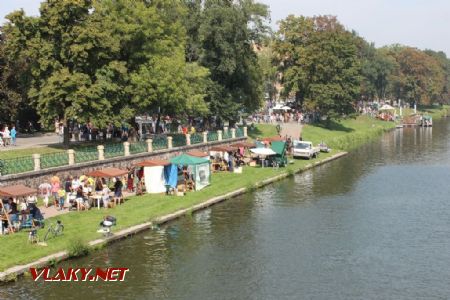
(346, 134)
(82, 226)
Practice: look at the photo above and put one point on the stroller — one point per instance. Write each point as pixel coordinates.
(106, 224)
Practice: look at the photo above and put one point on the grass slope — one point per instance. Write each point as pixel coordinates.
(83, 225)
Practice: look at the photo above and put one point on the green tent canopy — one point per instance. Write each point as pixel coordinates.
(278, 147)
(197, 166)
(187, 160)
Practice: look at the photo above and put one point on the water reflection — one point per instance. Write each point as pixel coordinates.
(372, 225)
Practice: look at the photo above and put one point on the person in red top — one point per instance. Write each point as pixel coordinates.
(185, 130)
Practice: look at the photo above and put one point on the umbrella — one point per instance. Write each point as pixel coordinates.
(16, 191)
(263, 151)
(386, 107)
(286, 108)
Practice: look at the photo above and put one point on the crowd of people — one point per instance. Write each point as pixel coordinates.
(76, 192)
(19, 213)
(287, 116)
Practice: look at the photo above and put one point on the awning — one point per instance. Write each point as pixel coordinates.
(19, 190)
(272, 139)
(244, 145)
(187, 160)
(108, 172)
(278, 147)
(197, 153)
(386, 107)
(153, 163)
(223, 149)
(263, 151)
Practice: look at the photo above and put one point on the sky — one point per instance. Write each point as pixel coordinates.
(424, 24)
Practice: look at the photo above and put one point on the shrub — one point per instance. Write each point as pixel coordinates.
(78, 248)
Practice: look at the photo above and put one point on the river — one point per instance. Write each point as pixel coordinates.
(372, 225)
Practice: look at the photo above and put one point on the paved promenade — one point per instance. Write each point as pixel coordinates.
(35, 141)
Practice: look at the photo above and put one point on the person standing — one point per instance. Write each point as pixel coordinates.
(118, 185)
(13, 134)
(6, 136)
(61, 133)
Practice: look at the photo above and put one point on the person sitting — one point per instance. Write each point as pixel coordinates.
(36, 215)
(12, 211)
(80, 199)
(98, 185)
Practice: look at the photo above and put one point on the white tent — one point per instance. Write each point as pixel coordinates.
(281, 107)
(154, 179)
(263, 151)
(386, 107)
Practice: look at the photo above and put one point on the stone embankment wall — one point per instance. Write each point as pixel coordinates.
(34, 178)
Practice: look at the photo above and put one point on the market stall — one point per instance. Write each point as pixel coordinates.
(196, 171)
(28, 211)
(156, 175)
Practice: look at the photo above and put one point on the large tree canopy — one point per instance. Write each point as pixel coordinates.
(104, 61)
(319, 62)
(222, 36)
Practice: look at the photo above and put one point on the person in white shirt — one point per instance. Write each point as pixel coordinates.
(75, 183)
(105, 196)
(6, 132)
(226, 156)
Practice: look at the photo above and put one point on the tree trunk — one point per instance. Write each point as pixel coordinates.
(158, 121)
(66, 135)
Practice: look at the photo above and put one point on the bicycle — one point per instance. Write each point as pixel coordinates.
(55, 230)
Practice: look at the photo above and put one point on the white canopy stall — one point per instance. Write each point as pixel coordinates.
(154, 178)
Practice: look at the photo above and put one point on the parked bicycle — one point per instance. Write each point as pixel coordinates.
(54, 230)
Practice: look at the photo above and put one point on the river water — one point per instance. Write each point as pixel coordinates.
(372, 225)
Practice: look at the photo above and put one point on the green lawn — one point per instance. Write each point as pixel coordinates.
(346, 134)
(262, 130)
(14, 153)
(83, 225)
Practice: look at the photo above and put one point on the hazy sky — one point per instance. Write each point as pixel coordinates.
(418, 23)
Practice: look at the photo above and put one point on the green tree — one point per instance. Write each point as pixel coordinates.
(320, 64)
(222, 35)
(418, 77)
(376, 70)
(105, 61)
(268, 69)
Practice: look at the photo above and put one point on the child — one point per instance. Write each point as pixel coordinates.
(62, 197)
